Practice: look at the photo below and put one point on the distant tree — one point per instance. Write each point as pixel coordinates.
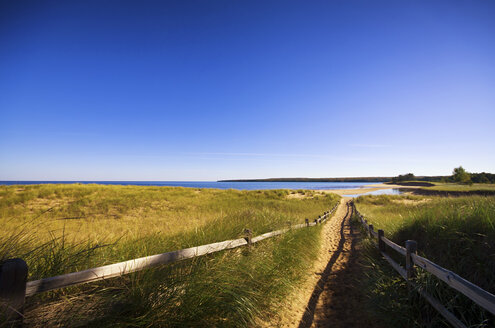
(445, 179)
(482, 177)
(405, 177)
(461, 176)
(409, 177)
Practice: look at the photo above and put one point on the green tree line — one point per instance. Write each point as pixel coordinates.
(459, 175)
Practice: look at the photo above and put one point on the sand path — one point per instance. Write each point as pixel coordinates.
(330, 297)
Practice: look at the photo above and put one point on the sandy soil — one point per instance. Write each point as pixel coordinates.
(366, 188)
(316, 193)
(330, 296)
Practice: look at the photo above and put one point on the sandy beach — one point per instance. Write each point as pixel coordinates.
(365, 189)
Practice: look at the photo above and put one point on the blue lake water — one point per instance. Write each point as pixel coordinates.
(393, 191)
(215, 184)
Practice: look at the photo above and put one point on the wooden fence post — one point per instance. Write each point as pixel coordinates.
(371, 229)
(381, 243)
(248, 235)
(411, 248)
(13, 276)
(307, 222)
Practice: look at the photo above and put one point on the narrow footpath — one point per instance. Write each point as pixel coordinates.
(337, 300)
(331, 297)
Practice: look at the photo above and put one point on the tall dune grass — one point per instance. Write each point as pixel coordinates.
(456, 233)
(65, 228)
(237, 288)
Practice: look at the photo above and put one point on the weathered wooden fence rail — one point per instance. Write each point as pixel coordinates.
(478, 295)
(13, 273)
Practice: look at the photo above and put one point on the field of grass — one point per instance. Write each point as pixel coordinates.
(462, 187)
(456, 233)
(65, 228)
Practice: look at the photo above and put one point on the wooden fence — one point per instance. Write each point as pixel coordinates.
(13, 273)
(478, 295)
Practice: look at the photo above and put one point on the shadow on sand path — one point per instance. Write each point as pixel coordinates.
(309, 314)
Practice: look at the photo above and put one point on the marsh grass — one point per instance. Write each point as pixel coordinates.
(232, 289)
(65, 228)
(462, 187)
(456, 233)
(115, 223)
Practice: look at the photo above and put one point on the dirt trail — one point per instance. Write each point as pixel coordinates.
(336, 300)
(331, 297)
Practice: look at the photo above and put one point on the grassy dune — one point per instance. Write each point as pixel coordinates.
(462, 187)
(64, 228)
(456, 233)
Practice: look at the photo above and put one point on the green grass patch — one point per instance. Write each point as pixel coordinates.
(462, 187)
(64, 228)
(456, 233)
(236, 288)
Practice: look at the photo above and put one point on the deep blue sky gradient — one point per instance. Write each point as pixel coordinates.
(206, 90)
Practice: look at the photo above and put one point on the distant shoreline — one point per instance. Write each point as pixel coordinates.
(359, 179)
(209, 184)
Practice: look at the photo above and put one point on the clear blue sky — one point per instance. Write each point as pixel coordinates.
(206, 90)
